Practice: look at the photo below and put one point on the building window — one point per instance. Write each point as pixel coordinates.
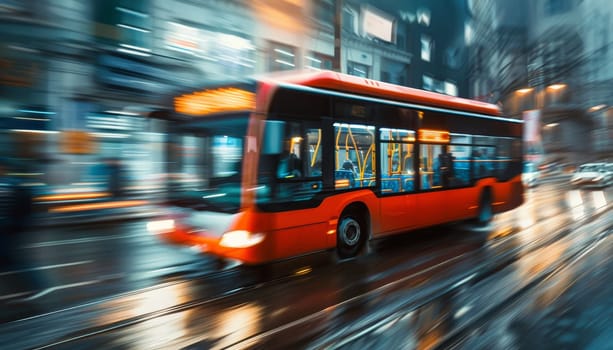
(555, 7)
(431, 84)
(451, 88)
(394, 72)
(423, 17)
(317, 61)
(323, 11)
(350, 21)
(427, 45)
(453, 58)
(183, 38)
(282, 57)
(427, 83)
(357, 69)
(134, 25)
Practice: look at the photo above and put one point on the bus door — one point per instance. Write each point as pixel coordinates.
(398, 209)
(434, 177)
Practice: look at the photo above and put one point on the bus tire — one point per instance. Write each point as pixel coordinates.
(486, 211)
(350, 234)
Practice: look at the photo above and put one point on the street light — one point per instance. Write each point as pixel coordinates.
(556, 86)
(596, 108)
(524, 91)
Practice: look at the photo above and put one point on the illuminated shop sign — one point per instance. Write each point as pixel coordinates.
(378, 25)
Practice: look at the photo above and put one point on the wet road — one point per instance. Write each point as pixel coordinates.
(114, 286)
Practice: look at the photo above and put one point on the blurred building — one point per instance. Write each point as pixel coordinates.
(553, 59)
(417, 43)
(79, 78)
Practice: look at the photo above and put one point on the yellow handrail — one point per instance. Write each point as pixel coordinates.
(316, 148)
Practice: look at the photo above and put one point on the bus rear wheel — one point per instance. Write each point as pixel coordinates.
(351, 232)
(486, 212)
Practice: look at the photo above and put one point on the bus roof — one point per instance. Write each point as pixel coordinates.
(362, 86)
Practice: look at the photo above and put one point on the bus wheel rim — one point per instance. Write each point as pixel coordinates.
(350, 232)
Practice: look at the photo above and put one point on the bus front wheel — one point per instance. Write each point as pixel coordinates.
(350, 234)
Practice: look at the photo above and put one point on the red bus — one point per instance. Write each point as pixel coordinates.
(273, 168)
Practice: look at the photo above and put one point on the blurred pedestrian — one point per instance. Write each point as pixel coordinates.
(15, 214)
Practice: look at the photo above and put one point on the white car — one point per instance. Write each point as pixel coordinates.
(593, 175)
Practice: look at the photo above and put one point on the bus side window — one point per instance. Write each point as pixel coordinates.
(430, 169)
(396, 160)
(314, 152)
(354, 144)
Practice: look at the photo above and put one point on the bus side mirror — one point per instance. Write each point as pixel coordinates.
(273, 137)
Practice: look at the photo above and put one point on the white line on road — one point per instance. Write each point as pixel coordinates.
(14, 295)
(83, 240)
(47, 267)
(65, 286)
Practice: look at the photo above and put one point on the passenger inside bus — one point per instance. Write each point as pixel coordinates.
(348, 165)
(289, 166)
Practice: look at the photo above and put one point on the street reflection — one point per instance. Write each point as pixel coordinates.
(236, 324)
(145, 303)
(575, 202)
(157, 331)
(580, 202)
(600, 201)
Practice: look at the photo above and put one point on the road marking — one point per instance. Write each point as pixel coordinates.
(47, 267)
(65, 286)
(14, 295)
(82, 240)
(463, 310)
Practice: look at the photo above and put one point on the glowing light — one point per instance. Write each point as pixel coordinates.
(427, 135)
(71, 196)
(35, 112)
(214, 195)
(161, 226)
(596, 108)
(134, 47)
(94, 206)
(284, 52)
(121, 112)
(341, 183)
(125, 26)
(133, 52)
(215, 101)
(35, 131)
(556, 86)
(285, 63)
(303, 271)
(35, 119)
(524, 91)
(240, 239)
(131, 12)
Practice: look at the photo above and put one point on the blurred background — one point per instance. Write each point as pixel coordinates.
(79, 79)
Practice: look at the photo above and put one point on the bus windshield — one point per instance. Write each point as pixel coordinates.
(205, 162)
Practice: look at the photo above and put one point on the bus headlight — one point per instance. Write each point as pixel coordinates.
(240, 239)
(159, 227)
